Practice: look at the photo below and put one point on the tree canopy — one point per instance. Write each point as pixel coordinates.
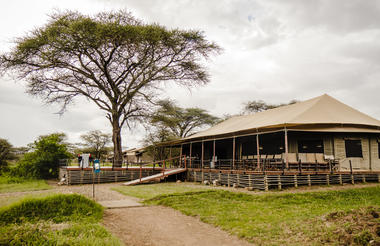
(112, 59)
(259, 105)
(44, 159)
(96, 142)
(181, 122)
(6, 153)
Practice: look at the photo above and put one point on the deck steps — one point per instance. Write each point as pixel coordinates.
(162, 175)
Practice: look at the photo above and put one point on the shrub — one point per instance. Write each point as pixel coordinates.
(57, 208)
(43, 161)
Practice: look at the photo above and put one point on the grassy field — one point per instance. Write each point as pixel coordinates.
(149, 191)
(308, 218)
(15, 184)
(54, 220)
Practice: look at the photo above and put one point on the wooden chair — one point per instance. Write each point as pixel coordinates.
(320, 159)
(292, 160)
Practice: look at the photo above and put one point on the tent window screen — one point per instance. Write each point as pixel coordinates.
(353, 148)
(310, 146)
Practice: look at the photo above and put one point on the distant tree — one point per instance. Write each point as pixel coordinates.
(259, 105)
(44, 158)
(156, 136)
(96, 142)
(181, 122)
(6, 153)
(111, 59)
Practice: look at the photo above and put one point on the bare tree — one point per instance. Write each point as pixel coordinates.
(112, 59)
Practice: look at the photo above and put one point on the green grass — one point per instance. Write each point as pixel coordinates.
(271, 219)
(54, 220)
(149, 191)
(58, 208)
(15, 184)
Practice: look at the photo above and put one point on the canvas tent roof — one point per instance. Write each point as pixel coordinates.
(322, 110)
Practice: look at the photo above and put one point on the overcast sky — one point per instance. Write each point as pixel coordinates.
(274, 50)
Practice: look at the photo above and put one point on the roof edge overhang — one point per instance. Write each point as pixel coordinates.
(314, 127)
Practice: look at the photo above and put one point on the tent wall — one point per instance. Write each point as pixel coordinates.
(375, 161)
(357, 162)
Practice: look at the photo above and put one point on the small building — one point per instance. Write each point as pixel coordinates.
(133, 156)
(321, 133)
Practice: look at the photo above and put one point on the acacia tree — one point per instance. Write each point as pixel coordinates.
(181, 121)
(112, 59)
(96, 141)
(6, 153)
(256, 106)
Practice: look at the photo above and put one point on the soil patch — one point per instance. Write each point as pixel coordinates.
(355, 227)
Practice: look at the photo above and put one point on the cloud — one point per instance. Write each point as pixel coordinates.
(274, 50)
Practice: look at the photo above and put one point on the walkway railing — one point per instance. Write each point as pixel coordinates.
(263, 166)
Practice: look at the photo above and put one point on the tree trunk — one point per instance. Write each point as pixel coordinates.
(116, 139)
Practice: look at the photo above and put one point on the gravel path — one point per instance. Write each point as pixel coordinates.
(161, 226)
(156, 225)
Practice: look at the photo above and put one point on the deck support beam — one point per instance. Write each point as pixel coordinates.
(191, 148)
(258, 151)
(202, 158)
(233, 152)
(286, 148)
(213, 153)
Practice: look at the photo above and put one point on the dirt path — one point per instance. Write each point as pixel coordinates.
(156, 225)
(161, 226)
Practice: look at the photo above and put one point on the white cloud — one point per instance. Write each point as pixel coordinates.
(274, 50)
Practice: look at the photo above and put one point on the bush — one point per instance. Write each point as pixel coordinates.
(58, 208)
(43, 161)
(46, 234)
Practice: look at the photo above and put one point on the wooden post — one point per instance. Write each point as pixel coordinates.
(363, 178)
(250, 180)
(350, 167)
(180, 152)
(233, 153)
(340, 179)
(213, 153)
(191, 148)
(258, 151)
(228, 179)
(141, 170)
(295, 181)
(369, 153)
(266, 183)
(286, 148)
(202, 155)
(378, 178)
(279, 182)
(308, 180)
(327, 179)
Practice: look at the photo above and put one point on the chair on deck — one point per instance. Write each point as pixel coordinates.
(292, 159)
(321, 161)
(302, 158)
(270, 162)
